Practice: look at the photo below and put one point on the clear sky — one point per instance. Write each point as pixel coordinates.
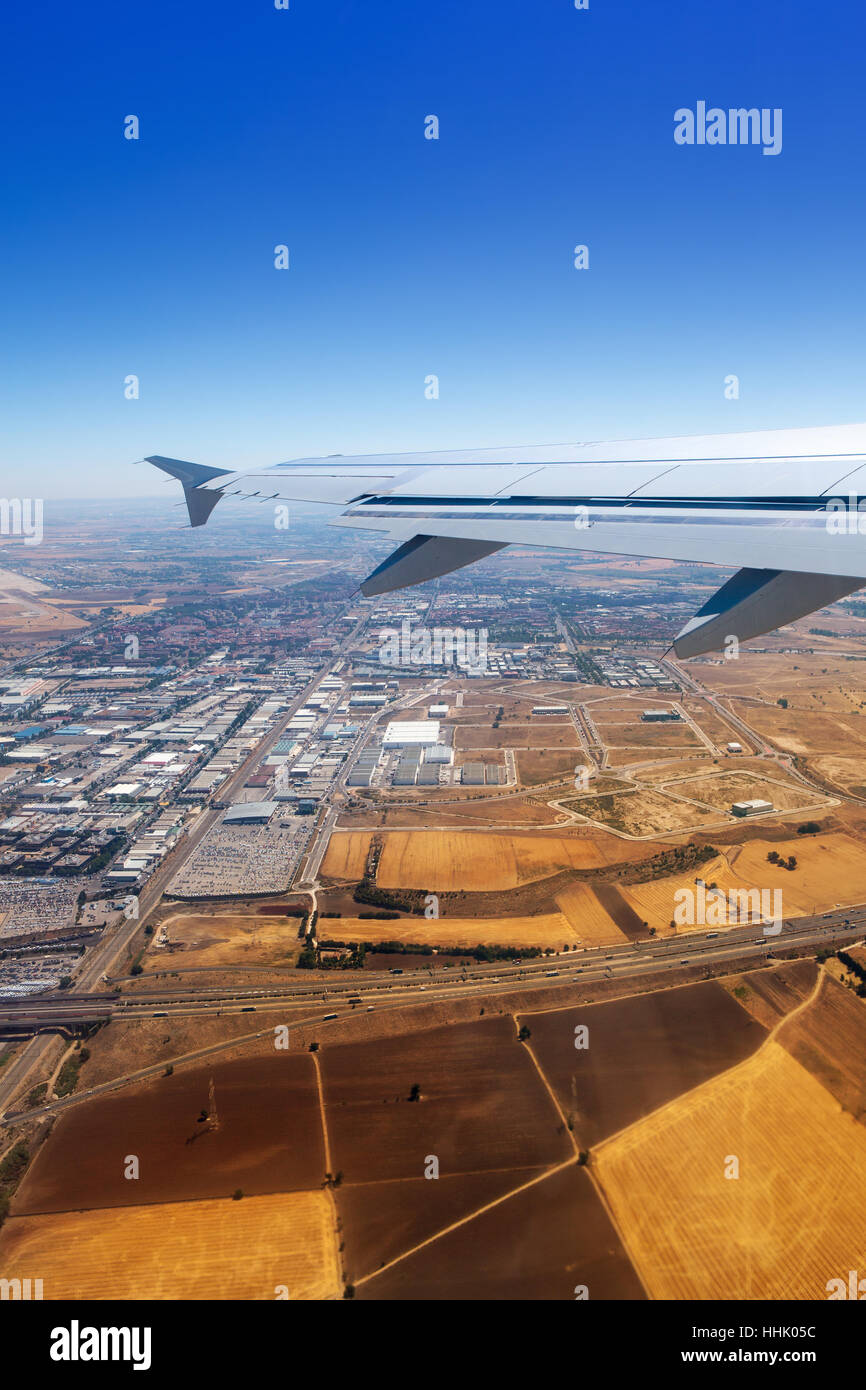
(411, 257)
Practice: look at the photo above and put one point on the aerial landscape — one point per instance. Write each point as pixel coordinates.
(390, 953)
(433, 854)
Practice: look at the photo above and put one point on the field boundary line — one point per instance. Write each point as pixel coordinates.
(451, 1177)
(325, 1137)
(727, 1072)
(550, 1091)
(596, 1185)
(471, 1216)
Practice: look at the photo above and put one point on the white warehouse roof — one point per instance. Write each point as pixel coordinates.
(417, 733)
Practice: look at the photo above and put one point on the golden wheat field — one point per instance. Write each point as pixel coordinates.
(830, 869)
(461, 861)
(346, 855)
(591, 923)
(793, 1219)
(548, 929)
(181, 1250)
(654, 902)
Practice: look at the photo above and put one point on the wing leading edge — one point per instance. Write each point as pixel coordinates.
(777, 505)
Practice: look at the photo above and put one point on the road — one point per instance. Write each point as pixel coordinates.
(426, 984)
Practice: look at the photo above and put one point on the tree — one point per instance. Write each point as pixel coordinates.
(415, 1093)
(525, 1034)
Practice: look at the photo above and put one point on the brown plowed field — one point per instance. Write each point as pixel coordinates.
(269, 1139)
(540, 1244)
(768, 995)
(829, 1040)
(382, 1220)
(642, 1052)
(482, 1104)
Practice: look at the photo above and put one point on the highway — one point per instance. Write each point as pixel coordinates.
(429, 984)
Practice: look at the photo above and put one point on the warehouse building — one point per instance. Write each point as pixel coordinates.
(438, 753)
(418, 733)
(754, 807)
(250, 813)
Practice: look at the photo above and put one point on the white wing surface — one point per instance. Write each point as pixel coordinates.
(783, 507)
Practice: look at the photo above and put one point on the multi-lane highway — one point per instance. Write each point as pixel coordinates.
(419, 985)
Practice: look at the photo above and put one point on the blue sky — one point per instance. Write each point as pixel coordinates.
(412, 257)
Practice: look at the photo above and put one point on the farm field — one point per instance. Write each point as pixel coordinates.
(457, 861)
(539, 1244)
(693, 1233)
(655, 902)
(346, 855)
(269, 1139)
(181, 1250)
(482, 1105)
(831, 868)
(768, 995)
(829, 1040)
(382, 1220)
(590, 921)
(547, 929)
(643, 1051)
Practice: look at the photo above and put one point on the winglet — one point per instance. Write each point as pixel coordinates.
(200, 500)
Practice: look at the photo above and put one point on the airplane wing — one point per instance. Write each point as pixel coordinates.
(780, 505)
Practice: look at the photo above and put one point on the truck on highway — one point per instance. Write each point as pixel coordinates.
(326, 1018)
